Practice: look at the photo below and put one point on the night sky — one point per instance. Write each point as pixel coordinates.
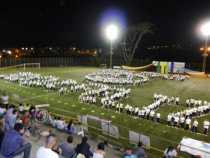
(67, 22)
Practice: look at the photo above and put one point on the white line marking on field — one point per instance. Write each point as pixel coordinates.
(38, 96)
(59, 101)
(113, 116)
(66, 103)
(83, 108)
(73, 105)
(93, 111)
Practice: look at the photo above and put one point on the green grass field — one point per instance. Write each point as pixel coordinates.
(69, 105)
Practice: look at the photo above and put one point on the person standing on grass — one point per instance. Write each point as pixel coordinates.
(187, 123)
(206, 126)
(195, 126)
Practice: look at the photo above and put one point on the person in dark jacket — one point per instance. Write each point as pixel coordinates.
(84, 148)
(140, 152)
(66, 148)
(1, 132)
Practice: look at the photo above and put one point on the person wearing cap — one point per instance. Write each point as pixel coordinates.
(99, 153)
(14, 144)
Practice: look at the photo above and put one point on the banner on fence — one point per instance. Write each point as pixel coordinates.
(135, 137)
(111, 130)
(169, 67)
(83, 120)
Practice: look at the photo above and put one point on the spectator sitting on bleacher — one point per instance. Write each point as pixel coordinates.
(67, 149)
(99, 153)
(129, 154)
(60, 124)
(14, 144)
(47, 150)
(140, 152)
(21, 108)
(26, 119)
(170, 152)
(70, 127)
(1, 132)
(4, 99)
(10, 119)
(84, 148)
(2, 111)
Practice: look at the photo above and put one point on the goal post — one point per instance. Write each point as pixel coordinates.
(31, 65)
(24, 66)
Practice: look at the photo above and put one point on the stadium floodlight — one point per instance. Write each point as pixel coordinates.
(111, 33)
(205, 30)
(9, 52)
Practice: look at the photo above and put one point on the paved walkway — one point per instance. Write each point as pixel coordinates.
(36, 143)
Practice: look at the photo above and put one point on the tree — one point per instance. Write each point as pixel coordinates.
(131, 40)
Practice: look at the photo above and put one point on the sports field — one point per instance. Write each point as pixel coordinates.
(69, 105)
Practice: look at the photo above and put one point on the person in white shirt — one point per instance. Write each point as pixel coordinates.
(187, 123)
(2, 111)
(176, 121)
(152, 114)
(5, 99)
(206, 126)
(99, 153)
(195, 126)
(60, 124)
(170, 152)
(158, 117)
(182, 120)
(169, 119)
(47, 150)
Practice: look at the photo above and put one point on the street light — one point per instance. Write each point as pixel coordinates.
(205, 30)
(112, 33)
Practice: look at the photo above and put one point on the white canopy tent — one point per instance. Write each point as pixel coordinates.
(195, 147)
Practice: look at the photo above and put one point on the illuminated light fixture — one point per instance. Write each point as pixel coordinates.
(9, 52)
(205, 29)
(111, 33)
(201, 49)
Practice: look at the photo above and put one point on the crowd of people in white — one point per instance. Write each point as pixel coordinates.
(123, 77)
(47, 82)
(110, 87)
(187, 118)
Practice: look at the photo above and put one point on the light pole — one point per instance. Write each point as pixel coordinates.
(112, 33)
(205, 55)
(205, 30)
(0, 59)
